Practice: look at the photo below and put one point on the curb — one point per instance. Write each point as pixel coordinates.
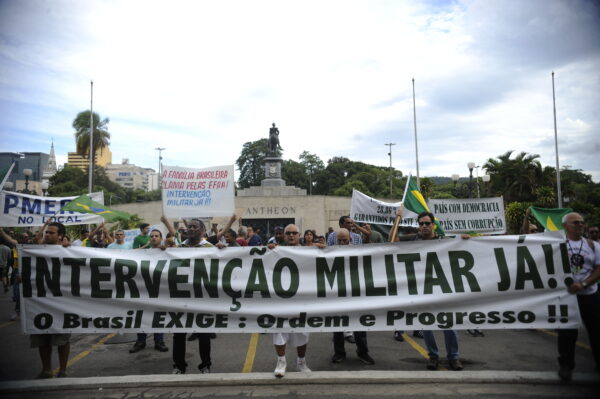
(294, 378)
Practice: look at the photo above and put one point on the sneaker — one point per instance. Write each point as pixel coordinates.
(178, 371)
(565, 373)
(433, 364)
(161, 347)
(365, 358)
(61, 374)
(398, 336)
(43, 375)
(418, 334)
(338, 358)
(480, 333)
(192, 337)
(472, 333)
(204, 368)
(138, 346)
(280, 368)
(455, 365)
(350, 338)
(302, 367)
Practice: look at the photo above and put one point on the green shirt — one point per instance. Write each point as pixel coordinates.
(140, 241)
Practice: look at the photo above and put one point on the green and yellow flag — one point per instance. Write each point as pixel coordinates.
(550, 218)
(84, 204)
(414, 201)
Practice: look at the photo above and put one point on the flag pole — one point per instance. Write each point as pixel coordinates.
(558, 190)
(416, 143)
(91, 173)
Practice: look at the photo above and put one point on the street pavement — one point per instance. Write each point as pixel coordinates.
(503, 363)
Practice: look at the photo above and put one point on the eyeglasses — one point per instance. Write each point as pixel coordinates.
(577, 222)
(291, 233)
(424, 223)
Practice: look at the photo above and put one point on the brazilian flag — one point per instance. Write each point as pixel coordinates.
(84, 204)
(550, 218)
(414, 201)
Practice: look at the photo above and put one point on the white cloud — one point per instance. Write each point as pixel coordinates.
(202, 78)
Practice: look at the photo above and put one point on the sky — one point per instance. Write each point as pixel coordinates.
(201, 78)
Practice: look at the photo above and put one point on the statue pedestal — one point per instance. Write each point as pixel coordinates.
(273, 173)
(272, 185)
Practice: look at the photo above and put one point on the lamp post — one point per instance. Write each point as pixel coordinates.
(390, 154)
(110, 197)
(44, 186)
(8, 186)
(486, 180)
(27, 173)
(471, 166)
(160, 150)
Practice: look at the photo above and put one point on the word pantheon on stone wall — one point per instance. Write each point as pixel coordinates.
(271, 210)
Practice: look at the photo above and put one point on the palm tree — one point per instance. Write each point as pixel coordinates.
(81, 124)
(516, 179)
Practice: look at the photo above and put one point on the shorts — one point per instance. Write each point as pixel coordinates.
(40, 340)
(294, 339)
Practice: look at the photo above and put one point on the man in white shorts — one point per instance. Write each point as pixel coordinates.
(299, 340)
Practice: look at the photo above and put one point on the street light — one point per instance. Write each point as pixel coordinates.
(486, 180)
(44, 186)
(27, 173)
(471, 166)
(110, 197)
(8, 186)
(455, 178)
(390, 154)
(160, 150)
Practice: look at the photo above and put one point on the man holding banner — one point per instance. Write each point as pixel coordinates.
(427, 232)
(195, 234)
(44, 342)
(584, 257)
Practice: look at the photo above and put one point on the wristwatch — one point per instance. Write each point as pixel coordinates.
(584, 284)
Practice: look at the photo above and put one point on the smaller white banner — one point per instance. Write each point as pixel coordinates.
(24, 210)
(190, 192)
(370, 210)
(482, 215)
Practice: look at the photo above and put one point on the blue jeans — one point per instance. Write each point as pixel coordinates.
(451, 340)
(158, 337)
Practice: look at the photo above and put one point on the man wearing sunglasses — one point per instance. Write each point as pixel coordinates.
(427, 232)
(119, 242)
(584, 257)
(299, 340)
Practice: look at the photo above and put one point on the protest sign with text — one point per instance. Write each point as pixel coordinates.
(481, 215)
(485, 282)
(370, 210)
(190, 192)
(24, 210)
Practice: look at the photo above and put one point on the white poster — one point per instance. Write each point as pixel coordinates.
(370, 210)
(207, 192)
(480, 215)
(490, 282)
(24, 210)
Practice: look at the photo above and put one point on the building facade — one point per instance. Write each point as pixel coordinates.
(103, 158)
(130, 176)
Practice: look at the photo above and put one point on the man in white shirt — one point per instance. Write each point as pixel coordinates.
(119, 241)
(584, 257)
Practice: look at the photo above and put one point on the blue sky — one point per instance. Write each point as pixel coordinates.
(201, 78)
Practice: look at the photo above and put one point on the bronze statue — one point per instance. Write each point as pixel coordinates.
(274, 140)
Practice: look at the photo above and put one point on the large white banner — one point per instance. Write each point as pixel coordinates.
(206, 192)
(482, 215)
(485, 282)
(370, 210)
(24, 210)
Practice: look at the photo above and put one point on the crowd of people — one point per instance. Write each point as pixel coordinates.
(583, 251)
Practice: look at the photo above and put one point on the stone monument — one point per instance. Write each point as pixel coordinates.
(273, 184)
